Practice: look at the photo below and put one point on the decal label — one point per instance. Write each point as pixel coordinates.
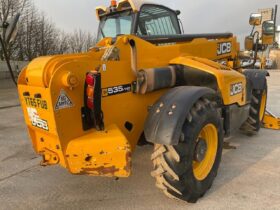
(111, 91)
(35, 120)
(104, 67)
(63, 101)
(36, 103)
(224, 48)
(236, 89)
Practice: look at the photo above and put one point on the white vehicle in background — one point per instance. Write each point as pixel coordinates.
(268, 64)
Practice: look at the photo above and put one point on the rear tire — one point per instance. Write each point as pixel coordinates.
(177, 170)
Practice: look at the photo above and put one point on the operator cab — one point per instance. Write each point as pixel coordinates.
(141, 19)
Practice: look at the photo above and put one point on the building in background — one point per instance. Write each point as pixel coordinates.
(273, 53)
(267, 14)
(16, 65)
(277, 36)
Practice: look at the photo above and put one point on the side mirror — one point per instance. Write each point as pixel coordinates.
(268, 32)
(11, 29)
(178, 12)
(249, 43)
(255, 19)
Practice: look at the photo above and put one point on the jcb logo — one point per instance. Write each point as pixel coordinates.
(224, 48)
(36, 120)
(235, 89)
(40, 124)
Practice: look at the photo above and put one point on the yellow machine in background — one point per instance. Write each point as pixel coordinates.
(270, 121)
(143, 80)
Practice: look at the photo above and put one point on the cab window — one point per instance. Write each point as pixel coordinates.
(157, 20)
(114, 25)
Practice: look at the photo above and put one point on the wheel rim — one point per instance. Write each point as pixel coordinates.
(263, 105)
(201, 168)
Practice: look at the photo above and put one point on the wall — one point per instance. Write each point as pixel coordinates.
(274, 55)
(16, 65)
(278, 34)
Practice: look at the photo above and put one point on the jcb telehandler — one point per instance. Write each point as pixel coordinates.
(143, 80)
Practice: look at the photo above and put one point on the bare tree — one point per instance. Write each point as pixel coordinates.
(8, 8)
(81, 41)
(63, 43)
(37, 35)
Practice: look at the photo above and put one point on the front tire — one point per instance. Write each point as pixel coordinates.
(257, 112)
(186, 171)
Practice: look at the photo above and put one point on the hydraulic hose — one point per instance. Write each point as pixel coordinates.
(133, 56)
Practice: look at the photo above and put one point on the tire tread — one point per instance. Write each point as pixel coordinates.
(169, 161)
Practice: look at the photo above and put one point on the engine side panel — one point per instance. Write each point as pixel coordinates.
(231, 85)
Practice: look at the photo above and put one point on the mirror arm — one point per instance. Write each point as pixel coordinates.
(252, 30)
(7, 60)
(256, 47)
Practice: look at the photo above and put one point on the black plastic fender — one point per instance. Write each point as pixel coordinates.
(167, 116)
(257, 78)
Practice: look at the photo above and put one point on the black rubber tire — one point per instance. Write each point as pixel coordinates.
(173, 165)
(254, 123)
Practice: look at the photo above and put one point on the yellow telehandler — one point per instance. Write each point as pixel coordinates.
(255, 43)
(143, 81)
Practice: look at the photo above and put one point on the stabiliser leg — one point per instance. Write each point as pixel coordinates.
(270, 121)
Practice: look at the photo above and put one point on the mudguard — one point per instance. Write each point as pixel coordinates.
(257, 78)
(167, 116)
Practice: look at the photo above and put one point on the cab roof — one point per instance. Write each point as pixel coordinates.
(135, 5)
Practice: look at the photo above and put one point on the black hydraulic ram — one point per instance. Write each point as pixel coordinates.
(149, 80)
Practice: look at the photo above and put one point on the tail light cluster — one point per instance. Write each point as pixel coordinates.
(90, 83)
(92, 114)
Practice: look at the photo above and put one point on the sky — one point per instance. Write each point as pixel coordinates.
(198, 16)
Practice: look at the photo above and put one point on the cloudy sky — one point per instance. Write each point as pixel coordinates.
(198, 16)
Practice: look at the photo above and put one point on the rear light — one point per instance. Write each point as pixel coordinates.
(92, 115)
(90, 103)
(90, 97)
(90, 79)
(90, 92)
(90, 86)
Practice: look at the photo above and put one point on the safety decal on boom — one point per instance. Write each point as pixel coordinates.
(63, 101)
(111, 91)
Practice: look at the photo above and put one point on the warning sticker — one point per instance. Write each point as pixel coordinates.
(63, 101)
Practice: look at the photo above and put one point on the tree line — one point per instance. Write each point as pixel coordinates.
(37, 35)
